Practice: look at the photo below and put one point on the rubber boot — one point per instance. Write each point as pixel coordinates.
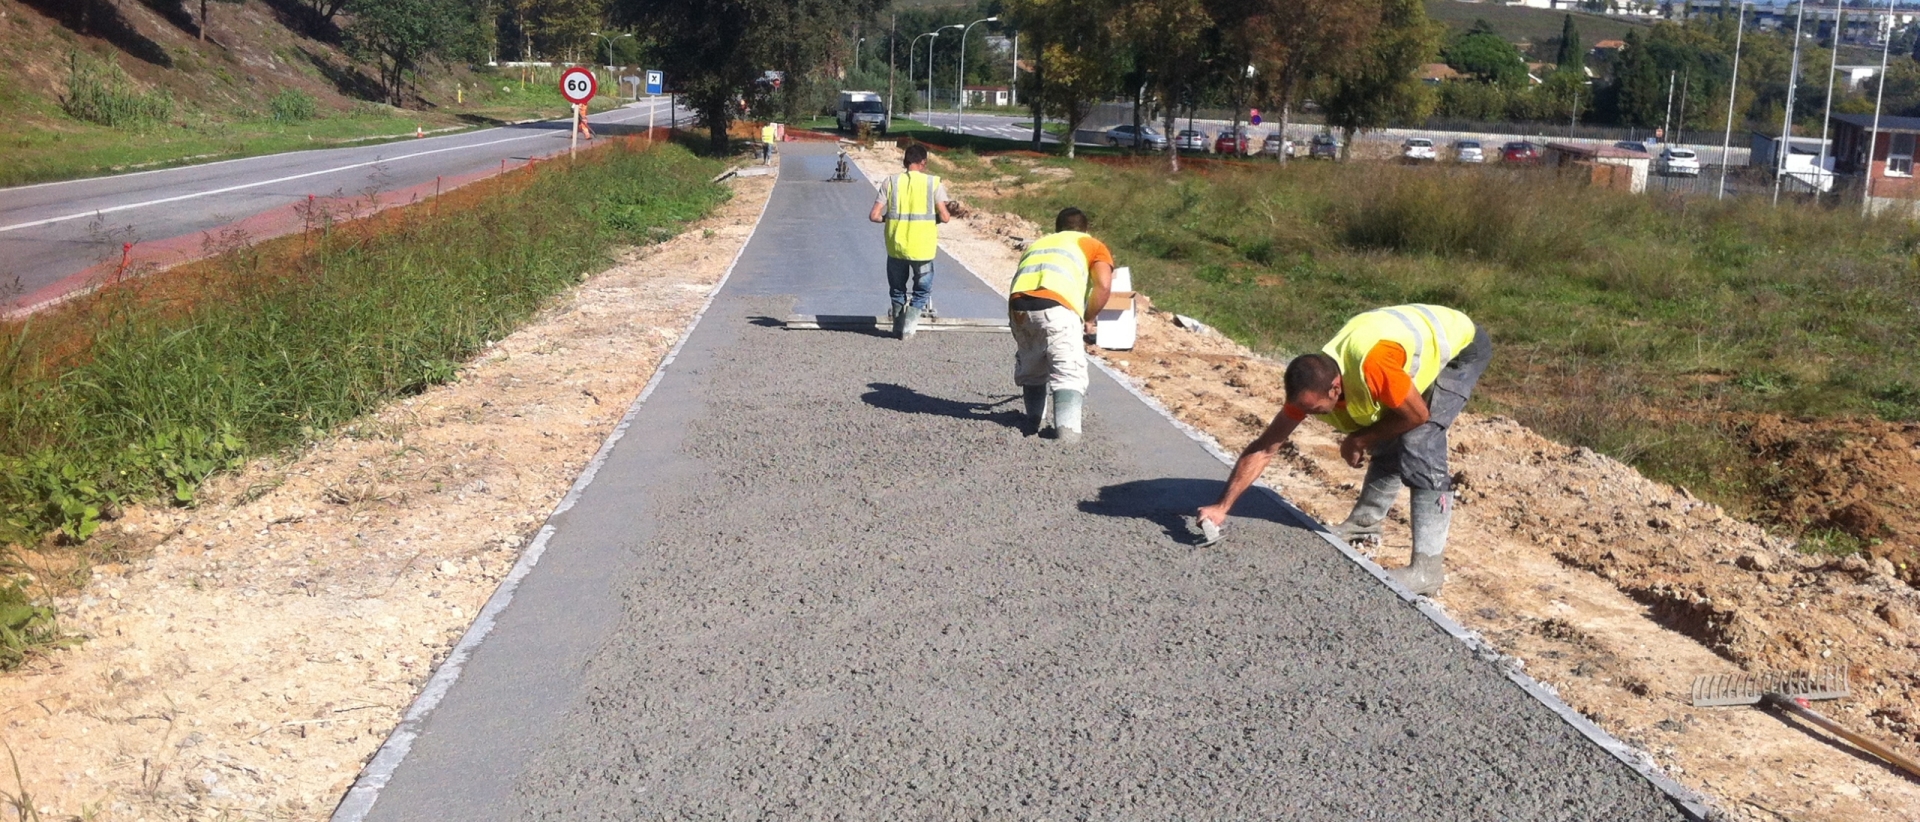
(1036, 399)
(1432, 514)
(898, 314)
(1363, 522)
(1066, 414)
(909, 323)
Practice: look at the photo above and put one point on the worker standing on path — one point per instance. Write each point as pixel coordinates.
(580, 120)
(912, 204)
(1062, 282)
(769, 134)
(1392, 381)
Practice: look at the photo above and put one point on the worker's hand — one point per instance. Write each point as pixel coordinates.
(1212, 513)
(1354, 451)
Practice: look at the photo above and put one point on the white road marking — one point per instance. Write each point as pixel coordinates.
(111, 209)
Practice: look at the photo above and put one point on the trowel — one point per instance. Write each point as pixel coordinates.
(1790, 692)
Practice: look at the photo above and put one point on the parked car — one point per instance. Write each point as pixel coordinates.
(1520, 151)
(1418, 149)
(1679, 162)
(1190, 140)
(1148, 138)
(1324, 145)
(1633, 145)
(1224, 144)
(1274, 145)
(1468, 151)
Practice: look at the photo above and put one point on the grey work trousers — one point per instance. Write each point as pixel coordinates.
(1420, 456)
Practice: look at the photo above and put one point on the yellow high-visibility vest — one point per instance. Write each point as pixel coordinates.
(1431, 335)
(1055, 267)
(913, 219)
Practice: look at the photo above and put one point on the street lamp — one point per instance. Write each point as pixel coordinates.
(609, 38)
(960, 85)
(916, 42)
(936, 35)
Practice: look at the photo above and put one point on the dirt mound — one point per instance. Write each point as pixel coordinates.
(1856, 477)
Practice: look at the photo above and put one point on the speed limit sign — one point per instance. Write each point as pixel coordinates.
(578, 85)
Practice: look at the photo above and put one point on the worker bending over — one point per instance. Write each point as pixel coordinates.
(1392, 381)
(1051, 314)
(912, 203)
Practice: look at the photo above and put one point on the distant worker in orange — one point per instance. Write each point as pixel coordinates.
(580, 120)
(1392, 381)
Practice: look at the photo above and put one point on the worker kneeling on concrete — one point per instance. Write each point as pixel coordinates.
(1051, 314)
(912, 204)
(1392, 381)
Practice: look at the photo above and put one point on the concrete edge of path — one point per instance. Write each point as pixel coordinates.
(374, 776)
(1692, 804)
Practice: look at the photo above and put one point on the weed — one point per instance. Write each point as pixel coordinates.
(293, 106)
(144, 390)
(98, 91)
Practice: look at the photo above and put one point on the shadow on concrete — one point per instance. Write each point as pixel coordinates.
(908, 401)
(1167, 502)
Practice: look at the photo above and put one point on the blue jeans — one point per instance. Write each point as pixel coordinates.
(917, 273)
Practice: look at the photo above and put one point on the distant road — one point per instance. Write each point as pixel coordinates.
(53, 232)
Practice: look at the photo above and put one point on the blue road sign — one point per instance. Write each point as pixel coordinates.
(654, 82)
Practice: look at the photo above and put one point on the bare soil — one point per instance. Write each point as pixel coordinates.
(1614, 589)
(262, 646)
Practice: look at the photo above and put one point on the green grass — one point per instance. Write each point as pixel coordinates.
(1518, 23)
(1622, 322)
(42, 144)
(142, 391)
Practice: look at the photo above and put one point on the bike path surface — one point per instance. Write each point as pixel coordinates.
(825, 574)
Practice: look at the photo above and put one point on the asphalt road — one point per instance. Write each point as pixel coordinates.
(54, 230)
(826, 575)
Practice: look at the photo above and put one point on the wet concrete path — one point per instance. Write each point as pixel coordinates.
(824, 575)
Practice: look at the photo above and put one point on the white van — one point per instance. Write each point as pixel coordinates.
(858, 107)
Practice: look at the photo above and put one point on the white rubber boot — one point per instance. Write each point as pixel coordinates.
(1376, 498)
(911, 324)
(1036, 401)
(1066, 415)
(1432, 515)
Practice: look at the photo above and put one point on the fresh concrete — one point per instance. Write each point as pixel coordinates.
(825, 575)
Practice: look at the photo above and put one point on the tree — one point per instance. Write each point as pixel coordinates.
(716, 52)
(1381, 87)
(1169, 39)
(1296, 41)
(401, 36)
(1076, 45)
(1488, 57)
(1572, 56)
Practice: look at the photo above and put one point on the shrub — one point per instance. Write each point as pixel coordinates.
(293, 106)
(98, 91)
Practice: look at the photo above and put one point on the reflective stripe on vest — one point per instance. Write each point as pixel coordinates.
(913, 218)
(1430, 334)
(1057, 265)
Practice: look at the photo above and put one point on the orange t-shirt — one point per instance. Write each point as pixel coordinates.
(1096, 252)
(1385, 370)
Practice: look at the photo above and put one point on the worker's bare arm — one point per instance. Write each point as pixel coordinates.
(1251, 464)
(1102, 289)
(1392, 423)
(879, 212)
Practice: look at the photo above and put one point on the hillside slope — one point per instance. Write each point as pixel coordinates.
(221, 89)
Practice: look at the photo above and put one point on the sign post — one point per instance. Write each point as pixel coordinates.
(578, 86)
(654, 81)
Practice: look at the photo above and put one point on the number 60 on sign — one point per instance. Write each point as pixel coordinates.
(578, 85)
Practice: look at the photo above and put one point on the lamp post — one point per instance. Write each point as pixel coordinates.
(960, 84)
(936, 36)
(609, 38)
(910, 47)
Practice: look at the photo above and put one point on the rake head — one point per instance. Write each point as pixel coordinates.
(1747, 689)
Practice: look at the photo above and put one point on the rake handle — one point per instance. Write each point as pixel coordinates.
(1792, 706)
